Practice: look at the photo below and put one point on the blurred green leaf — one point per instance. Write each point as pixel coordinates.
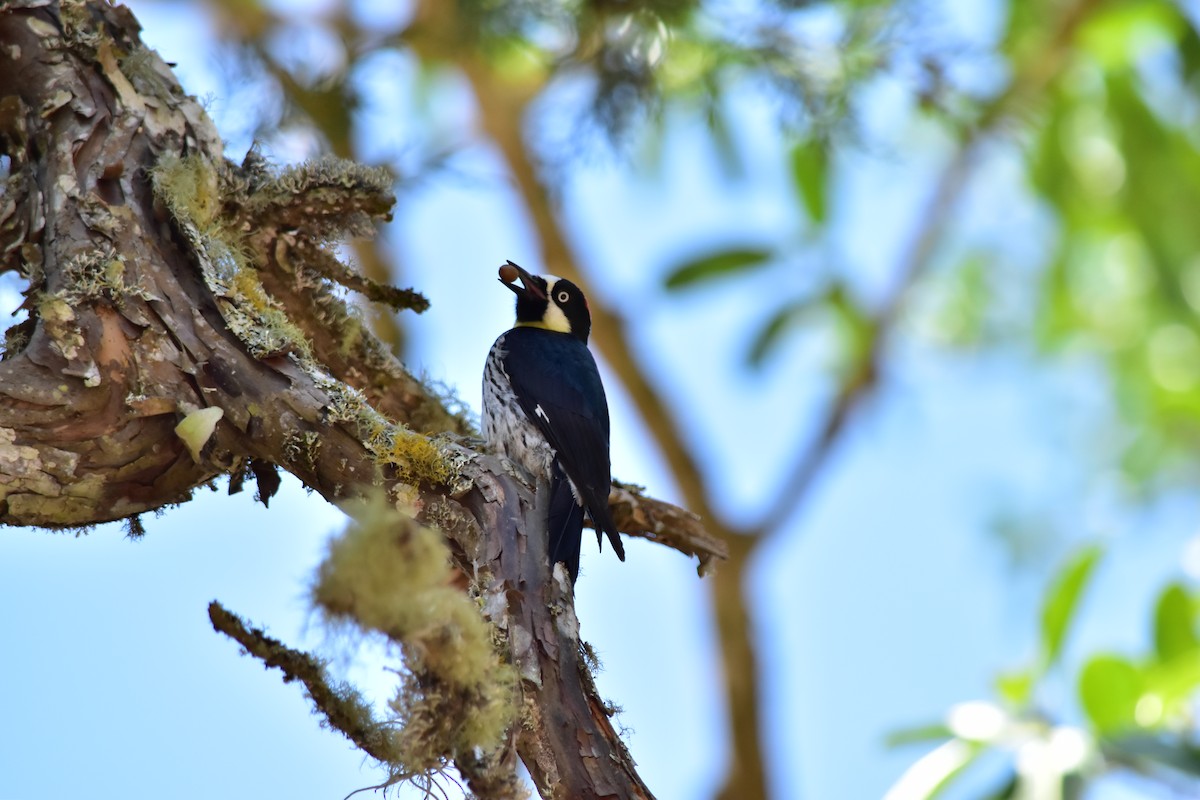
(1016, 687)
(919, 734)
(1189, 53)
(1168, 690)
(1110, 687)
(1177, 753)
(771, 333)
(810, 169)
(1116, 35)
(1174, 627)
(717, 265)
(1063, 599)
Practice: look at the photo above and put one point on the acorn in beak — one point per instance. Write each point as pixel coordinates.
(510, 272)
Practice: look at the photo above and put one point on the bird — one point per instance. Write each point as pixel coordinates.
(544, 408)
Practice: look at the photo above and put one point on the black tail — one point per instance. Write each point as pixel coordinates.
(565, 525)
(609, 527)
(602, 519)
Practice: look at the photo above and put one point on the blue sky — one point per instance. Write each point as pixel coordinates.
(881, 605)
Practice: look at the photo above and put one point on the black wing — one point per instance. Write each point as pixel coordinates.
(558, 386)
(564, 524)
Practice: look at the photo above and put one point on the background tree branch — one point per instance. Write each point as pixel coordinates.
(933, 204)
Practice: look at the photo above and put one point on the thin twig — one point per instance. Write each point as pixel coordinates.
(344, 711)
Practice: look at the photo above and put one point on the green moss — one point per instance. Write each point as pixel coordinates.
(197, 194)
(257, 319)
(189, 187)
(389, 573)
(415, 457)
(351, 327)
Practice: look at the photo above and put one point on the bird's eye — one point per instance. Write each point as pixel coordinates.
(563, 297)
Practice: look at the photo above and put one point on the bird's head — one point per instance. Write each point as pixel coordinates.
(553, 304)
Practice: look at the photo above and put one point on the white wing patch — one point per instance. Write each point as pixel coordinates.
(541, 412)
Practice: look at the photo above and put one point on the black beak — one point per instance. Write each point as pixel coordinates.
(510, 272)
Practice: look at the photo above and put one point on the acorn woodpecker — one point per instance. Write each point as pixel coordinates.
(544, 408)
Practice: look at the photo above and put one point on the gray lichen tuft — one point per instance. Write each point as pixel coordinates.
(221, 208)
(329, 197)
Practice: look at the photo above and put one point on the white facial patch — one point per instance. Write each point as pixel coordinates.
(555, 319)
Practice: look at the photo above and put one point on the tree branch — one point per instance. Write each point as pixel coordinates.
(166, 283)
